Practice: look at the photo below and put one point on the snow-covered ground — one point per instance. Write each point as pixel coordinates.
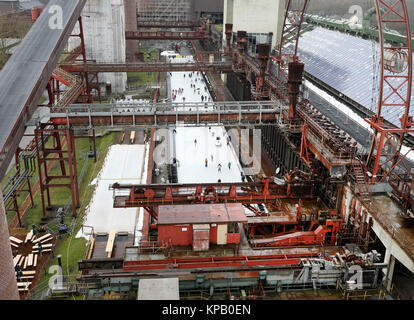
(123, 164)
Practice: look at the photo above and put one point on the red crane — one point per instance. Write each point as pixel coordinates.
(394, 93)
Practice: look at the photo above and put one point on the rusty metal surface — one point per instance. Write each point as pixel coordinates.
(388, 213)
(308, 206)
(273, 217)
(217, 66)
(201, 213)
(265, 192)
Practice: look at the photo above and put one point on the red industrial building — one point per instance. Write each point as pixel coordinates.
(200, 225)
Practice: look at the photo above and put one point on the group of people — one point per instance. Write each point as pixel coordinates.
(175, 93)
(218, 166)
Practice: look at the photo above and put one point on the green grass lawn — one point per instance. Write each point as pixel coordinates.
(219, 27)
(70, 248)
(142, 78)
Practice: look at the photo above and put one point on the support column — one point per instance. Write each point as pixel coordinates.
(390, 271)
(8, 283)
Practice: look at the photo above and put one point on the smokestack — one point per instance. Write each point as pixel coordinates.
(296, 69)
(241, 41)
(263, 51)
(8, 282)
(228, 32)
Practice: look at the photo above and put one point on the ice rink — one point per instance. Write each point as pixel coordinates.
(123, 164)
(179, 81)
(191, 156)
(128, 164)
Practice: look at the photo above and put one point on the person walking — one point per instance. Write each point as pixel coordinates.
(195, 142)
(206, 161)
(229, 164)
(219, 167)
(212, 158)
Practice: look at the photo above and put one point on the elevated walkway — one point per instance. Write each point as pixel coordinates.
(25, 76)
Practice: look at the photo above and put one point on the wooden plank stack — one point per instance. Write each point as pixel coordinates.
(29, 261)
(110, 242)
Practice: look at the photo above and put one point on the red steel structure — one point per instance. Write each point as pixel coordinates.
(290, 33)
(148, 66)
(64, 156)
(396, 76)
(215, 262)
(78, 86)
(264, 192)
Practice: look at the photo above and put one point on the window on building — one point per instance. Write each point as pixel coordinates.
(233, 228)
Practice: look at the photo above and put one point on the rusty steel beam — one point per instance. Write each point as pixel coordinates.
(165, 35)
(161, 114)
(184, 194)
(147, 67)
(217, 262)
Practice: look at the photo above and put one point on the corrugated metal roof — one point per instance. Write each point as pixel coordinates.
(346, 63)
(201, 213)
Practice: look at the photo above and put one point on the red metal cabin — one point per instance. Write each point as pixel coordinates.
(200, 225)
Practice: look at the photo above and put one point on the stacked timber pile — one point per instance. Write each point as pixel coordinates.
(27, 254)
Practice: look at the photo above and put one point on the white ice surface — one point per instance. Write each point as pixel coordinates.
(179, 81)
(140, 220)
(191, 157)
(123, 164)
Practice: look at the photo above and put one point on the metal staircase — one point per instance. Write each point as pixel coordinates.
(361, 180)
(74, 84)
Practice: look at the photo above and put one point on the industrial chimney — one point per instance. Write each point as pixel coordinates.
(8, 283)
